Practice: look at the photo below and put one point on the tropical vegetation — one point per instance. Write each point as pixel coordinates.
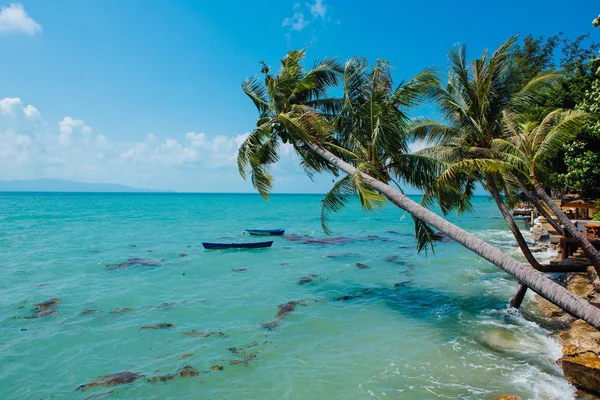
(364, 136)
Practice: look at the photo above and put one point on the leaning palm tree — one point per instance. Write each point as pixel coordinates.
(371, 132)
(309, 126)
(280, 100)
(472, 104)
(527, 147)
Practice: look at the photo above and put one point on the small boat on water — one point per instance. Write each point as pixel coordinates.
(266, 232)
(255, 245)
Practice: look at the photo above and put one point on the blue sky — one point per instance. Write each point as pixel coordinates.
(147, 93)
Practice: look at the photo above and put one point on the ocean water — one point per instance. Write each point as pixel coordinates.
(409, 326)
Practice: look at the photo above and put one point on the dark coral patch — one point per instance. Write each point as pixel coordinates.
(161, 325)
(134, 261)
(118, 378)
(286, 308)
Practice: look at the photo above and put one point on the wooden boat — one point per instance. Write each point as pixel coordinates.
(255, 245)
(266, 232)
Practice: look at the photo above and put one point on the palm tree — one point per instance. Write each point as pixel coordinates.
(282, 98)
(472, 103)
(528, 144)
(310, 129)
(371, 132)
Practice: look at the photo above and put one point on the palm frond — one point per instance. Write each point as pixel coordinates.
(335, 200)
(257, 93)
(425, 235)
(534, 91)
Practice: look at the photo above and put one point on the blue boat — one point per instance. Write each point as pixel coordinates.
(255, 245)
(266, 232)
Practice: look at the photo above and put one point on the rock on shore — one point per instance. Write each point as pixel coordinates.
(580, 360)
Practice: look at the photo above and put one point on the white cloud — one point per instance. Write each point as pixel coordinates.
(296, 22)
(10, 105)
(239, 139)
(14, 19)
(71, 149)
(68, 127)
(196, 139)
(31, 112)
(13, 107)
(318, 9)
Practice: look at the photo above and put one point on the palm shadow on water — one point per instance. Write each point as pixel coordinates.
(455, 315)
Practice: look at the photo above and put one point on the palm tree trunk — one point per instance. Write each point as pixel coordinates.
(538, 206)
(571, 229)
(514, 229)
(535, 280)
(518, 297)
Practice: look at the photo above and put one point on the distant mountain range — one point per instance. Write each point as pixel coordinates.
(60, 185)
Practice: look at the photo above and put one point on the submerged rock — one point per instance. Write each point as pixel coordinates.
(44, 309)
(310, 240)
(89, 311)
(286, 308)
(377, 238)
(41, 314)
(158, 326)
(353, 296)
(342, 255)
(185, 372)
(205, 334)
(166, 305)
(504, 341)
(53, 302)
(270, 325)
(134, 261)
(121, 310)
(306, 279)
(396, 260)
(118, 378)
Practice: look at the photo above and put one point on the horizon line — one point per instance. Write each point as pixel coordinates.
(152, 191)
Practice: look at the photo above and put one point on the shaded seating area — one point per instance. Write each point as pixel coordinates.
(578, 209)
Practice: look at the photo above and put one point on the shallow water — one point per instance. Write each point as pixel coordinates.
(409, 326)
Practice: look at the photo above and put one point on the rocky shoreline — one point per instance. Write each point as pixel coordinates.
(580, 342)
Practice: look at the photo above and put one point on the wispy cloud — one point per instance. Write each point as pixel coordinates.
(296, 22)
(71, 149)
(318, 9)
(14, 19)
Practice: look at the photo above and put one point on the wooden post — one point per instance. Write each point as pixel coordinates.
(518, 297)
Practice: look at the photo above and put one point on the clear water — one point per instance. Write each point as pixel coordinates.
(410, 327)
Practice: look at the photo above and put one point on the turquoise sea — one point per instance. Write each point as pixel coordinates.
(408, 326)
